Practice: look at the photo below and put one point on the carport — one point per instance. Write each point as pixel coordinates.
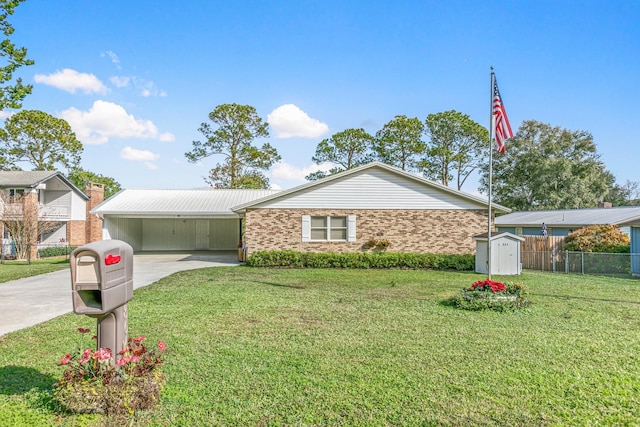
(175, 220)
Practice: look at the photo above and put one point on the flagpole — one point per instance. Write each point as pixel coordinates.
(491, 118)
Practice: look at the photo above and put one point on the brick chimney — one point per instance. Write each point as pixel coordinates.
(605, 205)
(93, 225)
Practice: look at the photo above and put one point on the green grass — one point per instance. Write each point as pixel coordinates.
(344, 347)
(12, 270)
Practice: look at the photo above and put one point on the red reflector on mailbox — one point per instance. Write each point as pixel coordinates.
(110, 259)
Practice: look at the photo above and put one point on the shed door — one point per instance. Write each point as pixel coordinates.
(202, 234)
(505, 257)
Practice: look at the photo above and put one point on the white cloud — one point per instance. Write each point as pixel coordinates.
(146, 88)
(147, 157)
(106, 119)
(285, 172)
(113, 56)
(289, 121)
(5, 114)
(129, 153)
(120, 81)
(72, 81)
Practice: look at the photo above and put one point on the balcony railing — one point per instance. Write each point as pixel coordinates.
(53, 213)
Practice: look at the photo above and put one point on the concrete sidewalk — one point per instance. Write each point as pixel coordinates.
(49, 295)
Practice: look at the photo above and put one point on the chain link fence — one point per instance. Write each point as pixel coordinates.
(593, 263)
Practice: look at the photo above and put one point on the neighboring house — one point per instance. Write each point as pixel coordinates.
(176, 220)
(52, 198)
(563, 222)
(339, 213)
(342, 212)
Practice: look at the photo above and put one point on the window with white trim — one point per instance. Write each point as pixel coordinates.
(15, 194)
(329, 228)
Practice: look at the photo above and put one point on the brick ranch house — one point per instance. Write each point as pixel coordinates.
(48, 196)
(339, 213)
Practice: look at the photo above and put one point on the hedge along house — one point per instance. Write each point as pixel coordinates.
(175, 220)
(342, 212)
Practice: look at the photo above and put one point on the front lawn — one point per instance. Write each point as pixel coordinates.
(345, 347)
(13, 270)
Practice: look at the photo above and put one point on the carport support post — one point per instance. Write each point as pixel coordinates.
(113, 330)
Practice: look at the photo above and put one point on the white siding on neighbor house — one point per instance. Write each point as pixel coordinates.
(59, 201)
(56, 184)
(372, 189)
(78, 208)
(55, 205)
(56, 237)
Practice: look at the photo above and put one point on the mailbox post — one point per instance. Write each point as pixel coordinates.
(101, 285)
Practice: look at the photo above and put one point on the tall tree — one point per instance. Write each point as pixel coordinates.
(237, 127)
(455, 147)
(347, 149)
(399, 142)
(80, 177)
(546, 167)
(626, 194)
(11, 96)
(40, 139)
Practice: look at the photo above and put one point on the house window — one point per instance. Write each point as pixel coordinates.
(328, 228)
(15, 194)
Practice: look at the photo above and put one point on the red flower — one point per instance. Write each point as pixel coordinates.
(139, 339)
(161, 345)
(66, 359)
(103, 354)
(83, 330)
(86, 356)
(122, 361)
(487, 285)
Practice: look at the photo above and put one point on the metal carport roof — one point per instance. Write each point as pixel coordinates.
(206, 202)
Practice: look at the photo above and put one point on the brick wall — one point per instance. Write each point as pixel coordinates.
(93, 226)
(423, 231)
(76, 235)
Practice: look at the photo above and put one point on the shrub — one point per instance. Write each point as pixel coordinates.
(490, 295)
(295, 259)
(598, 238)
(101, 382)
(55, 251)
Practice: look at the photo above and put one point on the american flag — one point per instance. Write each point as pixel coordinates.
(502, 128)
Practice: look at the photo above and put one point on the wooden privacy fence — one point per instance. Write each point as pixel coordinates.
(537, 252)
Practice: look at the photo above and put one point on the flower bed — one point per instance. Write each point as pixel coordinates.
(96, 382)
(491, 295)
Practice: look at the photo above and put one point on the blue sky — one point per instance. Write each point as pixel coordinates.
(135, 79)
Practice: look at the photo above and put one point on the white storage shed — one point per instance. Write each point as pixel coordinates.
(505, 253)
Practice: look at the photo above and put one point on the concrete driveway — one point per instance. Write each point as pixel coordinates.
(49, 295)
